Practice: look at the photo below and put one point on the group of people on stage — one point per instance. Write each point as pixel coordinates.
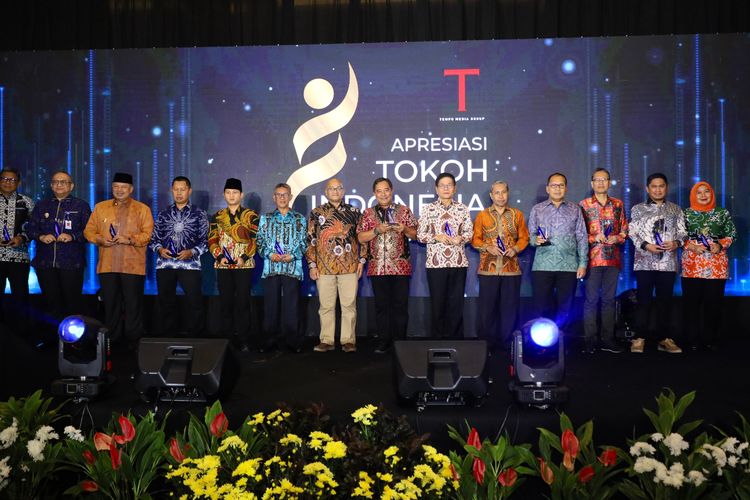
(573, 241)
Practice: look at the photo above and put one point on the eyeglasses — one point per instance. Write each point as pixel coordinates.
(9, 180)
(445, 186)
(599, 180)
(281, 195)
(337, 188)
(556, 186)
(60, 183)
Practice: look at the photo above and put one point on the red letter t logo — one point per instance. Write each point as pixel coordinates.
(461, 74)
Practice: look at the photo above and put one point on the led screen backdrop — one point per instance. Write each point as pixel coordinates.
(485, 110)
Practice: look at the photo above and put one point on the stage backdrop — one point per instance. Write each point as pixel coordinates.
(484, 111)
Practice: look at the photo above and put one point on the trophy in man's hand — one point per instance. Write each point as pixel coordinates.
(500, 244)
(390, 216)
(228, 256)
(278, 248)
(56, 229)
(542, 232)
(112, 232)
(660, 227)
(6, 234)
(172, 248)
(607, 228)
(448, 230)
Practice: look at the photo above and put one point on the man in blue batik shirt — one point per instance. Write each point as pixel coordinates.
(281, 241)
(179, 239)
(558, 231)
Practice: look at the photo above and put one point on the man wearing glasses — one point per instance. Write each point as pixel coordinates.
(57, 225)
(607, 228)
(336, 260)
(15, 210)
(562, 250)
(281, 241)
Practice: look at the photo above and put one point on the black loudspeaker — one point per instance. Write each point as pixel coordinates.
(184, 370)
(442, 372)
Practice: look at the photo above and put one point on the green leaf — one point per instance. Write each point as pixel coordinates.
(688, 427)
(653, 418)
(683, 403)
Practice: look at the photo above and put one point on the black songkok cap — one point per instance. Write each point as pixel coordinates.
(123, 177)
(233, 184)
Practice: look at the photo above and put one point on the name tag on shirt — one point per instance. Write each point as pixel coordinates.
(69, 225)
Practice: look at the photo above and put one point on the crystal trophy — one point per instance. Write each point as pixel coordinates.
(390, 218)
(607, 228)
(658, 239)
(172, 248)
(500, 244)
(448, 230)
(228, 256)
(705, 242)
(278, 248)
(542, 232)
(56, 229)
(6, 234)
(112, 232)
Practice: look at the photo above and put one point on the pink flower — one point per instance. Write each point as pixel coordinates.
(570, 447)
(89, 486)
(586, 474)
(102, 441)
(548, 476)
(507, 478)
(175, 451)
(115, 456)
(89, 457)
(608, 457)
(219, 425)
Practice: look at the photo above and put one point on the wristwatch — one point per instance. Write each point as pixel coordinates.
(362, 260)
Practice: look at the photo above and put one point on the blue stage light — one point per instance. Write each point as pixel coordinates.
(544, 332)
(71, 329)
(568, 66)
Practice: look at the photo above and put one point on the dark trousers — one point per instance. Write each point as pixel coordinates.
(191, 283)
(391, 306)
(234, 296)
(281, 310)
(122, 295)
(61, 291)
(554, 287)
(662, 283)
(498, 308)
(447, 301)
(601, 284)
(707, 295)
(17, 274)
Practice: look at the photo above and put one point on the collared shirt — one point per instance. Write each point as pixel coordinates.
(598, 218)
(387, 253)
(186, 228)
(646, 219)
(511, 229)
(15, 211)
(131, 219)
(566, 231)
(432, 221)
(71, 215)
(290, 232)
(332, 244)
(234, 233)
(717, 226)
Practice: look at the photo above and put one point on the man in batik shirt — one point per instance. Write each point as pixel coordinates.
(231, 241)
(179, 240)
(386, 230)
(445, 226)
(336, 260)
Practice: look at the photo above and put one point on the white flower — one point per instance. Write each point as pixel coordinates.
(676, 444)
(73, 433)
(656, 437)
(717, 454)
(644, 464)
(9, 435)
(742, 447)
(24, 469)
(732, 460)
(321, 220)
(729, 444)
(5, 469)
(696, 477)
(46, 433)
(640, 447)
(36, 449)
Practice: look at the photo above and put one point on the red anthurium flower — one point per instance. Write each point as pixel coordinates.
(102, 441)
(175, 451)
(608, 457)
(89, 486)
(569, 444)
(115, 456)
(478, 470)
(473, 439)
(586, 474)
(219, 425)
(548, 476)
(454, 472)
(89, 457)
(128, 431)
(507, 477)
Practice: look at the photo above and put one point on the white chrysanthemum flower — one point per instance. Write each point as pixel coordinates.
(73, 433)
(696, 477)
(35, 448)
(24, 469)
(660, 472)
(9, 435)
(5, 469)
(644, 464)
(732, 460)
(742, 447)
(656, 437)
(640, 448)
(729, 444)
(46, 433)
(717, 454)
(676, 444)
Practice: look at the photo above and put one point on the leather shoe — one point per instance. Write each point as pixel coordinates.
(323, 347)
(349, 348)
(383, 348)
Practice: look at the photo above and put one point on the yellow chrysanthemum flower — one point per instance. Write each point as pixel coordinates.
(248, 468)
(365, 415)
(291, 439)
(334, 449)
(257, 419)
(364, 486)
(234, 442)
(385, 477)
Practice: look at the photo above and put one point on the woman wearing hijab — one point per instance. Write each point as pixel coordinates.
(705, 266)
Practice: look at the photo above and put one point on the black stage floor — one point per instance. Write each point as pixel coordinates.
(609, 388)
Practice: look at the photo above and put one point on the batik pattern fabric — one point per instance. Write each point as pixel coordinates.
(290, 233)
(15, 212)
(69, 216)
(510, 227)
(565, 228)
(332, 245)
(717, 227)
(388, 254)
(646, 220)
(185, 228)
(598, 218)
(432, 221)
(233, 234)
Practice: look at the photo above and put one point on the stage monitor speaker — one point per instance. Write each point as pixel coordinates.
(184, 369)
(442, 372)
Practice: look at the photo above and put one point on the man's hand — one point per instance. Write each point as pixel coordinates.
(47, 238)
(671, 245)
(65, 238)
(360, 268)
(650, 247)
(397, 228)
(164, 253)
(16, 241)
(457, 240)
(540, 240)
(121, 240)
(580, 273)
(275, 257)
(314, 274)
(186, 254)
(600, 238)
(443, 238)
(510, 252)
(493, 250)
(715, 247)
